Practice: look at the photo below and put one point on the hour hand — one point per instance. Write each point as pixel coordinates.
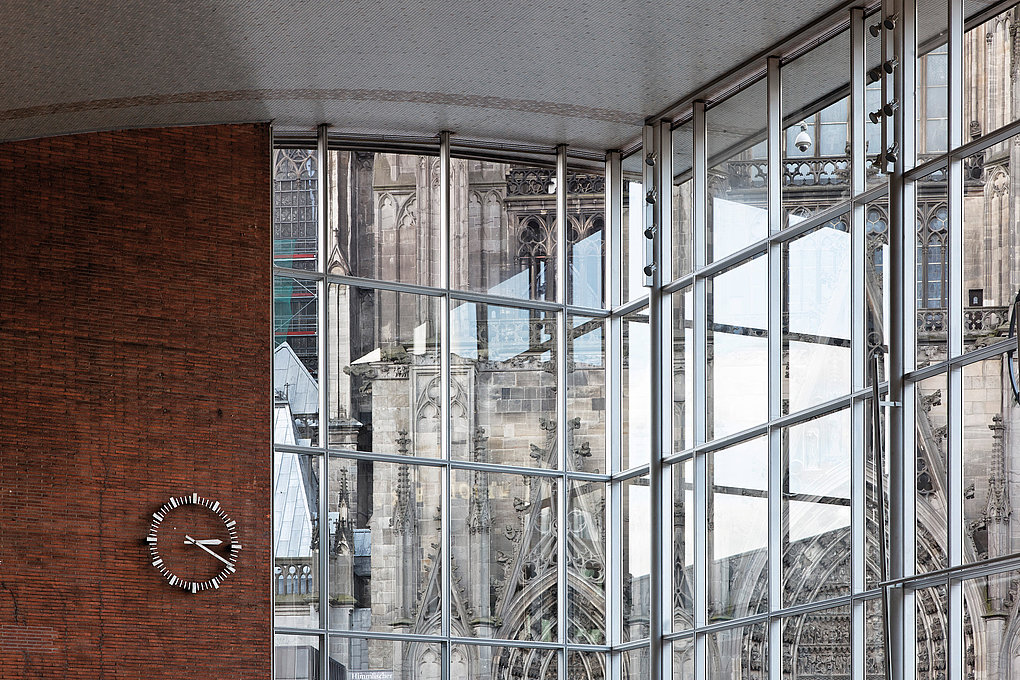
(189, 539)
(203, 541)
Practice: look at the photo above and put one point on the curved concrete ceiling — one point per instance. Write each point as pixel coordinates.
(584, 73)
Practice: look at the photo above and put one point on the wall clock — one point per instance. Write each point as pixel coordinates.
(193, 543)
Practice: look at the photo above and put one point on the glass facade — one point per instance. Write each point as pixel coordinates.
(729, 403)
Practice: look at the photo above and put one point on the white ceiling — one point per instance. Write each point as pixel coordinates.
(585, 73)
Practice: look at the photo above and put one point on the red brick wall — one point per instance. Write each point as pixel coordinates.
(134, 365)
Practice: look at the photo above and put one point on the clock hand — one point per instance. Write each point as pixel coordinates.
(205, 541)
(189, 539)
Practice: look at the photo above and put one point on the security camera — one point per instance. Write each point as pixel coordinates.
(803, 145)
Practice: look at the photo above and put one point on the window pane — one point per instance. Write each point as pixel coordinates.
(932, 631)
(738, 654)
(683, 200)
(384, 379)
(738, 348)
(683, 369)
(932, 511)
(586, 217)
(586, 665)
(504, 547)
(634, 253)
(634, 664)
(296, 547)
(503, 382)
(987, 73)
(989, 230)
(932, 71)
(817, 645)
(683, 545)
(368, 659)
(683, 659)
(480, 662)
(816, 508)
(295, 216)
(385, 573)
(586, 394)
(636, 557)
(391, 231)
(816, 340)
(295, 362)
(876, 285)
(586, 563)
(296, 657)
(737, 534)
(990, 647)
(931, 267)
(636, 406)
(737, 172)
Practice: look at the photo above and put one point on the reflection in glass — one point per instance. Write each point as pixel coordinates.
(932, 632)
(737, 654)
(586, 665)
(636, 557)
(384, 371)
(481, 662)
(989, 461)
(504, 555)
(503, 384)
(876, 284)
(634, 664)
(989, 230)
(988, 88)
(586, 218)
(817, 644)
(816, 508)
(875, 171)
(683, 545)
(683, 659)
(384, 568)
(586, 563)
(932, 73)
(876, 491)
(737, 534)
(931, 509)
(816, 337)
(738, 348)
(737, 172)
(633, 257)
(683, 369)
(296, 657)
(636, 391)
(586, 394)
(874, 639)
(990, 643)
(390, 229)
(295, 362)
(683, 201)
(296, 577)
(816, 136)
(295, 217)
(932, 267)
(368, 658)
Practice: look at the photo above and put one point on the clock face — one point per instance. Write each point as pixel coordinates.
(193, 543)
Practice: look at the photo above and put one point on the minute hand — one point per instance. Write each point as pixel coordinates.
(189, 539)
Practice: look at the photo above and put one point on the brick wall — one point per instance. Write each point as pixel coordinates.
(135, 365)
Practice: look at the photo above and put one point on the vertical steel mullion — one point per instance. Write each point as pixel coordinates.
(858, 101)
(562, 291)
(445, 389)
(322, 323)
(614, 229)
(271, 415)
(614, 552)
(662, 380)
(700, 653)
(614, 426)
(700, 405)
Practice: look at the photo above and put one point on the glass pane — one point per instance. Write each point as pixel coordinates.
(586, 394)
(683, 369)
(683, 659)
(636, 406)
(874, 640)
(816, 509)
(989, 460)
(504, 548)
(368, 659)
(876, 492)
(738, 530)
(634, 255)
(738, 654)
(295, 362)
(586, 219)
(503, 389)
(990, 646)
(683, 545)
(634, 664)
(987, 71)
(683, 200)
(932, 630)
(876, 284)
(817, 645)
(480, 662)
(384, 571)
(932, 98)
(586, 665)
(636, 557)
(816, 139)
(296, 657)
(384, 381)
(931, 508)
(875, 171)
(295, 540)
(295, 217)
(989, 232)
(932, 267)
(816, 339)
(389, 228)
(737, 172)
(738, 348)
(586, 563)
